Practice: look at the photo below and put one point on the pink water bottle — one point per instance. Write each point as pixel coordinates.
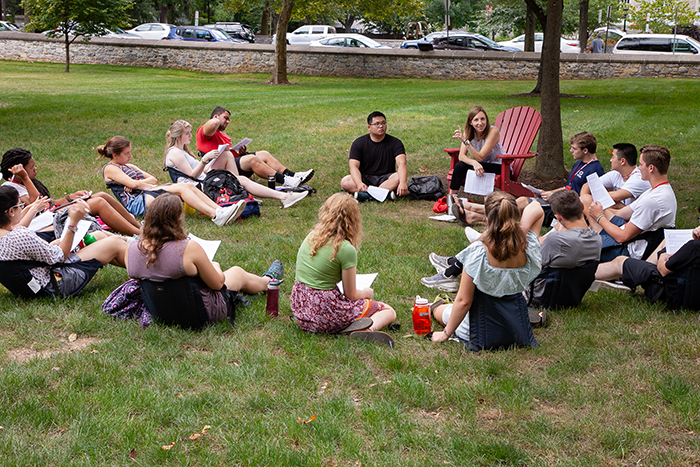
(273, 296)
(421, 316)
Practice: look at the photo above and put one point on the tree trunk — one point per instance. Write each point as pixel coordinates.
(163, 13)
(542, 18)
(279, 72)
(349, 20)
(550, 160)
(265, 21)
(583, 24)
(530, 24)
(65, 38)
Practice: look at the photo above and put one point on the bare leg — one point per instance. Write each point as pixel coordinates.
(382, 318)
(271, 161)
(437, 313)
(99, 206)
(240, 280)
(391, 183)
(654, 256)
(347, 184)
(610, 271)
(109, 250)
(532, 218)
(252, 163)
(190, 195)
(227, 162)
(471, 216)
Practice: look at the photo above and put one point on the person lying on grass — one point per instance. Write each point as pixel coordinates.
(165, 252)
(18, 243)
(19, 168)
(179, 156)
(137, 189)
(327, 256)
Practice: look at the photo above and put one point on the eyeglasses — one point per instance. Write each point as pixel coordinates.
(378, 124)
(20, 205)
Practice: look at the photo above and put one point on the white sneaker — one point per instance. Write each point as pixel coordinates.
(609, 285)
(228, 214)
(291, 182)
(472, 235)
(304, 176)
(293, 198)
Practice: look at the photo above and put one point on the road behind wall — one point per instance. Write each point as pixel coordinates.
(341, 62)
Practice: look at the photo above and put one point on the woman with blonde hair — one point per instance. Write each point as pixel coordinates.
(327, 256)
(481, 143)
(165, 252)
(502, 262)
(137, 189)
(179, 156)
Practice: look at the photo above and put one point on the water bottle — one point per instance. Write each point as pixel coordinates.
(273, 297)
(421, 316)
(89, 239)
(271, 181)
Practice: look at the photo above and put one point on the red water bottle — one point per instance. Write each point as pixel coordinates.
(273, 295)
(421, 316)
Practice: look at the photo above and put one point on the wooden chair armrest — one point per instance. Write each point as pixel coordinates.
(453, 152)
(515, 156)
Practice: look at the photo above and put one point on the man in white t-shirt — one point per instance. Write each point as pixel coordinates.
(654, 209)
(624, 181)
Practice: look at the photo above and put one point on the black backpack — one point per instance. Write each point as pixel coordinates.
(222, 187)
(428, 187)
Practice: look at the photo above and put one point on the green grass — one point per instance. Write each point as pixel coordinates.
(615, 381)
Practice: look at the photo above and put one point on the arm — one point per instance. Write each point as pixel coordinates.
(177, 158)
(356, 175)
(618, 234)
(195, 261)
(75, 214)
(114, 174)
(402, 190)
(18, 172)
(619, 195)
(546, 194)
(463, 302)
(348, 276)
(30, 211)
(212, 125)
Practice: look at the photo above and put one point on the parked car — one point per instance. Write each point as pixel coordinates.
(200, 33)
(152, 31)
(7, 26)
(428, 39)
(117, 33)
(614, 35)
(656, 44)
(305, 34)
(348, 40)
(235, 30)
(568, 46)
(469, 41)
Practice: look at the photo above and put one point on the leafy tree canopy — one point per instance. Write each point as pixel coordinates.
(662, 15)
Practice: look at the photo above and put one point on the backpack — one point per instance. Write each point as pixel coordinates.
(222, 187)
(428, 187)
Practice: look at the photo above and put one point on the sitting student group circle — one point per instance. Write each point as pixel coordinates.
(502, 268)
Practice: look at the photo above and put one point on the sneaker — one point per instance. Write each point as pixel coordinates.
(362, 196)
(304, 176)
(228, 214)
(441, 282)
(375, 337)
(439, 262)
(391, 196)
(291, 182)
(275, 271)
(611, 285)
(293, 198)
(472, 235)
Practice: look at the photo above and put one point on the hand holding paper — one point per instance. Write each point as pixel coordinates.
(598, 191)
(479, 185)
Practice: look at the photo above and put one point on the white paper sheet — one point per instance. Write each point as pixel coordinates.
(676, 238)
(362, 281)
(221, 149)
(479, 185)
(82, 226)
(598, 191)
(377, 193)
(210, 246)
(444, 218)
(41, 221)
(536, 191)
(241, 143)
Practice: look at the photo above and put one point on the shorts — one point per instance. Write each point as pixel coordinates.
(68, 280)
(462, 331)
(637, 272)
(137, 204)
(375, 180)
(611, 249)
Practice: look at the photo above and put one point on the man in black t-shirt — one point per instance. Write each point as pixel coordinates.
(374, 158)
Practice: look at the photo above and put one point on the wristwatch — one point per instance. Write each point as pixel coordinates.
(73, 228)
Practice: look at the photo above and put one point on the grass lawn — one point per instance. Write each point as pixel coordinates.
(615, 381)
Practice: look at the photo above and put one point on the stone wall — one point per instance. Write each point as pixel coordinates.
(321, 61)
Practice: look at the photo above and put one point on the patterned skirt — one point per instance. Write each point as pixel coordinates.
(328, 311)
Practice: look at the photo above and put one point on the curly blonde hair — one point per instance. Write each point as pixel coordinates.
(175, 132)
(338, 220)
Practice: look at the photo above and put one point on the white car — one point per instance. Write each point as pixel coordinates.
(567, 46)
(152, 31)
(305, 34)
(657, 44)
(348, 40)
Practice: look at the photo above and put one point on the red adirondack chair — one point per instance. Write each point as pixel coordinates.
(519, 127)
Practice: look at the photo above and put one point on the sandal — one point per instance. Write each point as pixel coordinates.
(459, 214)
(360, 324)
(375, 337)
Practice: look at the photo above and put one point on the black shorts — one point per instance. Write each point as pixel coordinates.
(375, 180)
(637, 272)
(68, 280)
